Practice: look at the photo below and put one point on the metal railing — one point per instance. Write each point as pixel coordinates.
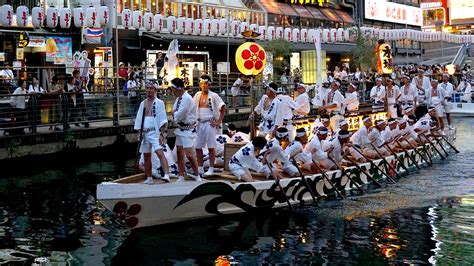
(461, 55)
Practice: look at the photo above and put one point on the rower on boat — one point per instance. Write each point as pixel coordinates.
(294, 150)
(285, 117)
(151, 122)
(391, 133)
(377, 141)
(314, 149)
(267, 108)
(246, 158)
(360, 140)
(275, 153)
(322, 121)
(408, 137)
(236, 136)
(423, 126)
(184, 115)
(337, 148)
(210, 116)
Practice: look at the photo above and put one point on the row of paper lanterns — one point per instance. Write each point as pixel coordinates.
(94, 17)
(97, 17)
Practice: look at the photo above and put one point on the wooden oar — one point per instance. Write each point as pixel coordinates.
(449, 143)
(432, 145)
(364, 171)
(429, 162)
(410, 158)
(326, 177)
(440, 144)
(135, 166)
(277, 182)
(386, 163)
(305, 182)
(344, 173)
(396, 157)
(374, 166)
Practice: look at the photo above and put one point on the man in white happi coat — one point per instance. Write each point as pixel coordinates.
(360, 139)
(302, 101)
(184, 115)
(391, 131)
(407, 136)
(336, 147)
(393, 93)
(268, 109)
(408, 96)
(315, 152)
(422, 85)
(156, 169)
(155, 122)
(435, 98)
(295, 149)
(351, 101)
(275, 153)
(236, 136)
(210, 114)
(447, 88)
(246, 158)
(423, 126)
(286, 109)
(333, 104)
(319, 93)
(377, 94)
(464, 87)
(377, 141)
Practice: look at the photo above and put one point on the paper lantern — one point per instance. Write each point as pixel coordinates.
(198, 26)
(127, 18)
(304, 35)
(171, 24)
(287, 34)
(311, 35)
(279, 33)
(347, 36)
(223, 26)
(137, 19)
(340, 35)
(271, 33)
(52, 17)
(103, 15)
(384, 59)
(91, 17)
(206, 26)
(234, 28)
(158, 23)
(181, 25)
(80, 17)
(263, 33)
(214, 27)
(189, 26)
(37, 17)
(65, 18)
(326, 35)
(244, 26)
(295, 35)
(253, 27)
(250, 58)
(22, 13)
(6, 15)
(148, 20)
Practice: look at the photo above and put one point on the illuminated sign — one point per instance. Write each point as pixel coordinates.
(461, 10)
(393, 12)
(24, 39)
(309, 2)
(384, 59)
(430, 5)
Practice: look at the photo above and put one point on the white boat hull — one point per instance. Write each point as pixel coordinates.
(463, 109)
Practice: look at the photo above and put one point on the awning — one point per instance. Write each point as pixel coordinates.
(330, 14)
(346, 18)
(234, 3)
(302, 11)
(317, 14)
(278, 8)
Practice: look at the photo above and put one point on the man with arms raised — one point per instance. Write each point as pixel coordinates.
(210, 114)
(184, 115)
(155, 124)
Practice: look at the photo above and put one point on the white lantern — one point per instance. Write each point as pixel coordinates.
(189, 26)
(158, 23)
(326, 35)
(263, 33)
(295, 35)
(104, 15)
(340, 35)
(37, 17)
(279, 33)
(6, 15)
(181, 25)
(171, 24)
(206, 26)
(287, 34)
(65, 18)
(270, 33)
(91, 17)
(22, 13)
(197, 26)
(80, 17)
(235, 28)
(52, 17)
(253, 27)
(127, 18)
(137, 19)
(244, 26)
(223, 26)
(311, 35)
(334, 35)
(347, 35)
(214, 27)
(148, 20)
(304, 35)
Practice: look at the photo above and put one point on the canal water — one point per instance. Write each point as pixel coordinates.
(48, 213)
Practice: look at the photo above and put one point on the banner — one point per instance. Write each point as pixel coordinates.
(319, 59)
(58, 49)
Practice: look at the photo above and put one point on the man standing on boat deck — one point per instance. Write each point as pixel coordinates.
(184, 115)
(447, 88)
(377, 94)
(333, 104)
(422, 85)
(302, 101)
(210, 116)
(155, 124)
(351, 102)
(435, 98)
(246, 158)
(393, 93)
(268, 109)
(375, 137)
(286, 109)
(408, 96)
(319, 93)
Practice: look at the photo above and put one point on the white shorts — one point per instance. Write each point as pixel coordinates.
(184, 141)
(334, 121)
(235, 91)
(392, 111)
(206, 136)
(150, 142)
(238, 170)
(447, 107)
(439, 110)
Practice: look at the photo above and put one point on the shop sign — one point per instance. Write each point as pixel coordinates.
(431, 5)
(393, 12)
(23, 39)
(36, 41)
(58, 49)
(384, 59)
(16, 65)
(20, 52)
(309, 2)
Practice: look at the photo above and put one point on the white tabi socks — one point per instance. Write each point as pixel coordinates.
(210, 171)
(149, 181)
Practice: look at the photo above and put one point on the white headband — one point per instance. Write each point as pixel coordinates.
(324, 119)
(381, 122)
(176, 87)
(366, 119)
(322, 132)
(342, 123)
(300, 134)
(392, 122)
(205, 80)
(281, 134)
(431, 108)
(402, 120)
(343, 135)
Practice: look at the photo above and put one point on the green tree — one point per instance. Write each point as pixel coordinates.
(280, 49)
(363, 53)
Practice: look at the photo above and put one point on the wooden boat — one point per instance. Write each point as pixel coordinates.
(140, 205)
